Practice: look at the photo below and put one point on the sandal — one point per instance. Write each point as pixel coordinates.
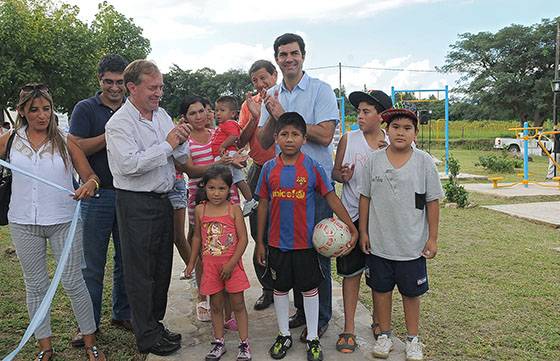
(231, 325)
(45, 355)
(203, 312)
(374, 327)
(94, 354)
(346, 343)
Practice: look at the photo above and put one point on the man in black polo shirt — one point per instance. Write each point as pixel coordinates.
(87, 126)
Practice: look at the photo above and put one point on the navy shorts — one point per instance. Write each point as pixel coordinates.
(411, 277)
(354, 262)
(299, 269)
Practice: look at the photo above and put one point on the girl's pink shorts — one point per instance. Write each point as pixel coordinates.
(212, 283)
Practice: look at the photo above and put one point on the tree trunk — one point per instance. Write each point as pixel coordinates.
(538, 118)
(523, 117)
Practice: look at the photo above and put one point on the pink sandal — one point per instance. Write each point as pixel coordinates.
(231, 324)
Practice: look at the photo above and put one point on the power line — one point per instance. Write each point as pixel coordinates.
(377, 68)
(394, 69)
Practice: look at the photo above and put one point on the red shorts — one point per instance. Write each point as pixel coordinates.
(211, 282)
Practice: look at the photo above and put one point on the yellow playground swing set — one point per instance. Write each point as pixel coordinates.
(529, 133)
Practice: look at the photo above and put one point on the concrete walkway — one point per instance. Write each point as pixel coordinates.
(518, 190)
(547, 213)
(263, 329)
(463, 176)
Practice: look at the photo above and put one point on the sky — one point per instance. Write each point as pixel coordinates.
(403, 34)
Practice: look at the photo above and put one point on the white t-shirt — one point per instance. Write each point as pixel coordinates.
(356, 154)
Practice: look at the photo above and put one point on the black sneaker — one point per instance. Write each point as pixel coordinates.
(297, 319)
(314, 352)
(264, 301)
(280, 347)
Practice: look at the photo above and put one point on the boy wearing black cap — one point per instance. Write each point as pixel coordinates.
(399, 212)
(351, 155)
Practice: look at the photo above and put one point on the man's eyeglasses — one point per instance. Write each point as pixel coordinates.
(35, 87)
(111, 82)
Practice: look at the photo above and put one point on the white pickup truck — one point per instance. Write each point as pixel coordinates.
(515, 145)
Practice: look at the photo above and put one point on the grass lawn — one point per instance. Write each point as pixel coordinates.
(494, 295)
(468, 158)
(117, 344)
(494, 288)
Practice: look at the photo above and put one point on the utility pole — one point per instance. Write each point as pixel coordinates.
(555, 94)
(340, 79)
(554, 103)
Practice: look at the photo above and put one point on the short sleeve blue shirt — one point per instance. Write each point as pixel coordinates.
(88, 120)
(316, 102)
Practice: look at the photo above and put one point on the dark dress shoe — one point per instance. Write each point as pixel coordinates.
(164, 347)
(320, 332)
(297, 319)
(264, 301)
(124, 324)
(172, 336)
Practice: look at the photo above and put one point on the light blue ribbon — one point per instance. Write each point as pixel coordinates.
(3, 163)
(47, 300)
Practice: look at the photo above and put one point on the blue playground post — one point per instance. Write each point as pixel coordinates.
(525, 155)
(446, 90)
(342, 116)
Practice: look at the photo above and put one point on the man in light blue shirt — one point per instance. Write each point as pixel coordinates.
(316, 102)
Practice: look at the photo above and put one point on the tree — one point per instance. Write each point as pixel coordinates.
(234, 82)
(349, 110)
(203, 82)
(510, 69)
(43, 42)
(115, 33)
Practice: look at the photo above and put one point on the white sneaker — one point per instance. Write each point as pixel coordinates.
(382, 346)
(414, 350)
(249, 206)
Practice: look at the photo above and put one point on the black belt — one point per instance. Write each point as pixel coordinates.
(147, 194)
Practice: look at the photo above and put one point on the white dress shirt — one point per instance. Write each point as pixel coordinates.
(140, 158)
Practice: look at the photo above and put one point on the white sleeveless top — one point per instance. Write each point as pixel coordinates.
(34, 202)
(357, 153)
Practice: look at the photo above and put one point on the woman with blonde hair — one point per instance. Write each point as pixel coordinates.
(39, 213)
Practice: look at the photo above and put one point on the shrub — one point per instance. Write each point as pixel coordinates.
(454, 192)
(501, 164)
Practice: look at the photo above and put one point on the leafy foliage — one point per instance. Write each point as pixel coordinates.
(454, 192)
(43, 42)
(115, 33)
(510, 69)
(204, 82)
(502, 164)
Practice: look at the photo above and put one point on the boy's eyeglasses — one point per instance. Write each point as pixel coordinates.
(35, 87)
(111, 82)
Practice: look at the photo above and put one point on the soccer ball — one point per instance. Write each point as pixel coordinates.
(330, 237)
